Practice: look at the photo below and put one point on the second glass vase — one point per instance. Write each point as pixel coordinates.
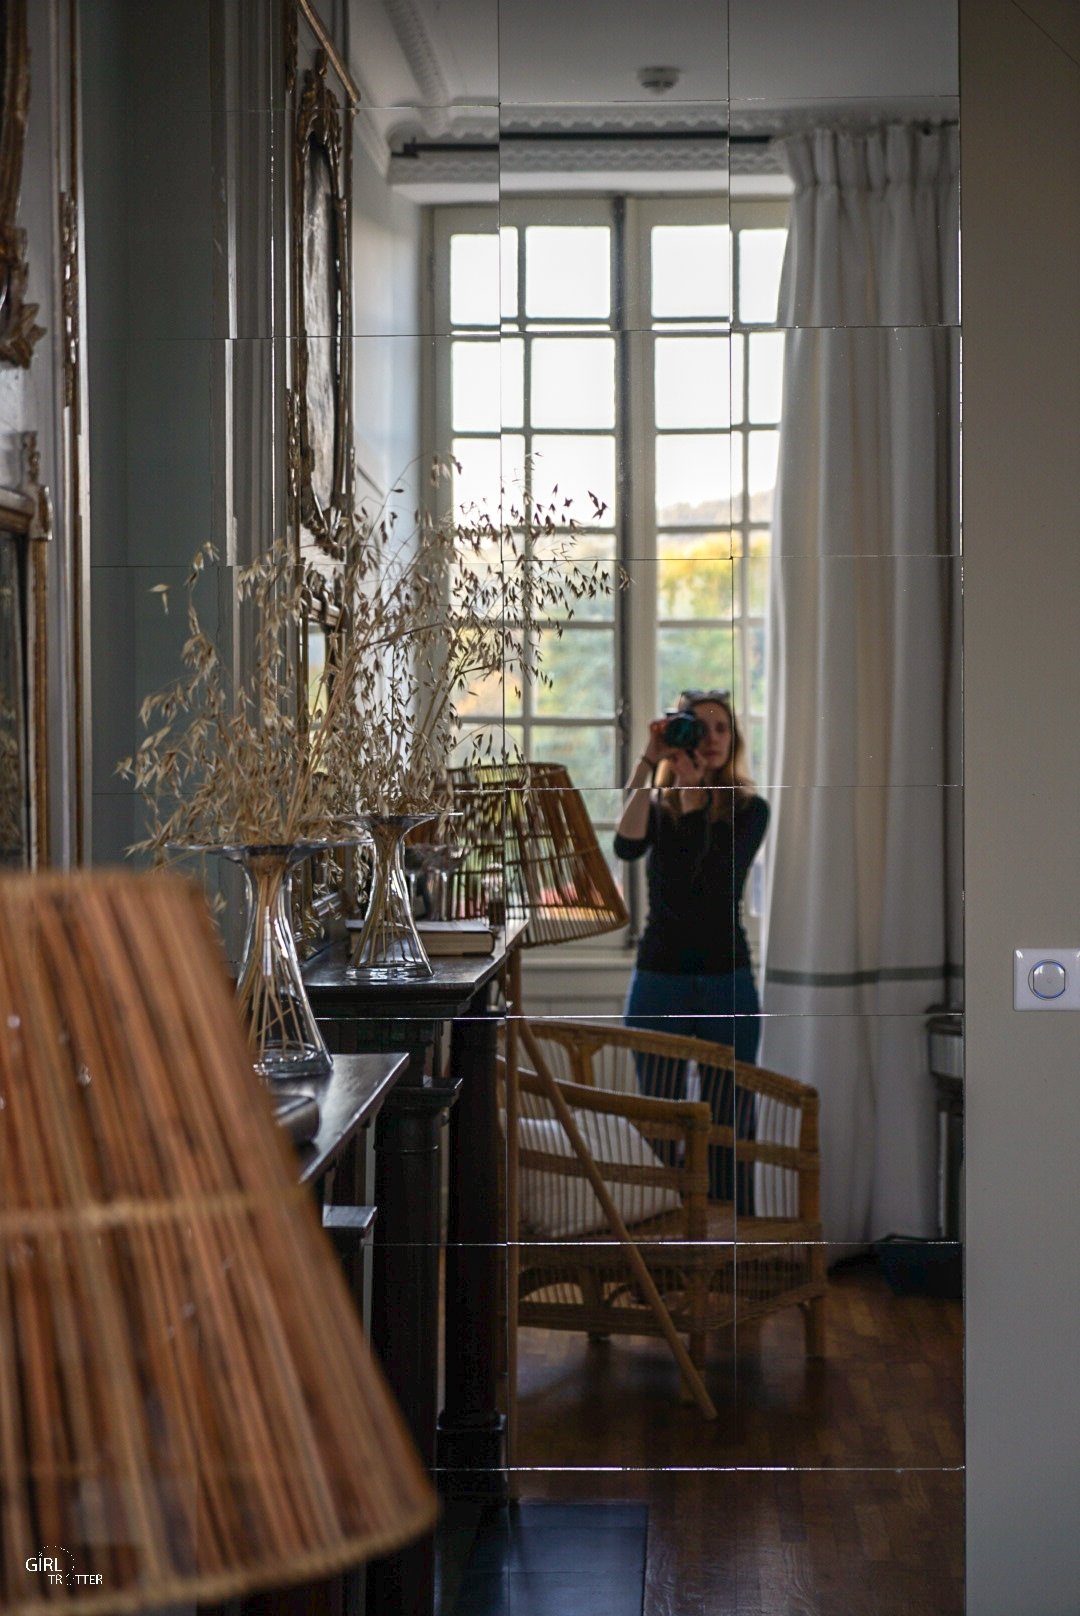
(387, 946)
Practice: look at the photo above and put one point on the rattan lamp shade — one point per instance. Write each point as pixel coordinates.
(528, 837)
(188, 1406)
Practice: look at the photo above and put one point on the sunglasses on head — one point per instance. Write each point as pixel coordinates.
(693, 696)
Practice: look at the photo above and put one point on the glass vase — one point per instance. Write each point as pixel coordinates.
(387, 946)
(284, 1035)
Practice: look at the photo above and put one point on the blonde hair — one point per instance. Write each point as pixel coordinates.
(729, 786)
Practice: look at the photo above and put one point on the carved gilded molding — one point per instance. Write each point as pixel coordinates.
(291, 45)
(26, 517)
(19, 330)
(69, 292)
(321, 441)
(319, 449)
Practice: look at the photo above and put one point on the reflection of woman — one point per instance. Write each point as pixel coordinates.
(701, 828)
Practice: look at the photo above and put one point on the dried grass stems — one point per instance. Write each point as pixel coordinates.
(429, 610)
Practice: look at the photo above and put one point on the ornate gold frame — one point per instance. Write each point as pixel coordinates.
(322, 120)
(18, 329)
(26, 514)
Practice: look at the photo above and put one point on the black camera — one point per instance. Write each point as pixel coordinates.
(684, 731)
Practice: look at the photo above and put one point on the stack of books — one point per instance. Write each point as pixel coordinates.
(455, 937)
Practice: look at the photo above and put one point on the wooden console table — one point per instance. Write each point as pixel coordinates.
(465, 1443)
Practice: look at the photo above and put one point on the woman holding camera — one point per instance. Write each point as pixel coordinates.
(692, 809)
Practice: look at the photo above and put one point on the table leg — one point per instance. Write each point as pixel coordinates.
(405, 1303)
(471, 1440)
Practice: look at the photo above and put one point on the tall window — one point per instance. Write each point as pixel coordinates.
(622, 348)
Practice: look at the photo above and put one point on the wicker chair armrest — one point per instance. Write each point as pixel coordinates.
(575, 1037)
(693, 1114)
(760, 1080)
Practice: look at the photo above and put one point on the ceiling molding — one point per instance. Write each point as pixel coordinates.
(446, 167)
(569, 156)
(614, 117)
(456, 122)
(764, 159)
(422, 59)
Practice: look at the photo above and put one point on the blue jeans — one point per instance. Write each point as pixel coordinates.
(721, 1010)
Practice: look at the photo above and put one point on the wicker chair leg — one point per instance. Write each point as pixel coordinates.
(814, 1327)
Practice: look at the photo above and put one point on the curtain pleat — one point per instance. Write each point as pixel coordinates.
(862, 929)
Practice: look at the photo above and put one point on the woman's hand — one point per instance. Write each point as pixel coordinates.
(656, 749)
(688, 767)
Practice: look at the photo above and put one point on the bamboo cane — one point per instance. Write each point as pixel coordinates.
(637, 1262)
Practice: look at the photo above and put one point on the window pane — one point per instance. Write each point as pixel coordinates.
(568, 271)
(476, 577)
(575, 467)
(755, 668)
(692, 659)
(679, 546)
(474, 279)
(757, 582)
(580, 674)
(691, 272)
(513, 473)
(761, 254)
(513, 381)
(573, 382)
(761, 473)
(588, 754)
(601, 578)
(489, 696)
(595, 545)
(766, 375)
(487, 743)
(477, 386)
(487, 465)
(694, 588)
(318, 693)
(692, 382)
(508, 264)
(693, 479)
(476, 484)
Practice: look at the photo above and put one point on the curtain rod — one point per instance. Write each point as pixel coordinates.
(420, 148)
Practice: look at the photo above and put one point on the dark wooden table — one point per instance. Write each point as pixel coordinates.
(464, 1444)
(349, 1098)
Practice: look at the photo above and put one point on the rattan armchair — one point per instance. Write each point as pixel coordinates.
(610, 1189)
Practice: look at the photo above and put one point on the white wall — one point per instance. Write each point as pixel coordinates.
(1020, 96)
(388, 352)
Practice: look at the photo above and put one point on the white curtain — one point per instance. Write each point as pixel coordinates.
(862, 933)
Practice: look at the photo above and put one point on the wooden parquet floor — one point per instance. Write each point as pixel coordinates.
(826, 1488)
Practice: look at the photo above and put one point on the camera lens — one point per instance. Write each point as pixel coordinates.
(684, 731)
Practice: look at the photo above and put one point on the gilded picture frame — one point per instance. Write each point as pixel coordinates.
(19, 331)
(320, 401)
(25, 529)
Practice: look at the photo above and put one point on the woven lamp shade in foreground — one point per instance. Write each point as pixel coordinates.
(188, 1406)
(528, 834)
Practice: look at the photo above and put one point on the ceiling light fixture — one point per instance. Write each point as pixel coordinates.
(658, 79)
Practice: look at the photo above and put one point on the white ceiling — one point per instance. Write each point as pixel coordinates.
(445, 71)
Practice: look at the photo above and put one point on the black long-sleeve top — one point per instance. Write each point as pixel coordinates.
(696, 872)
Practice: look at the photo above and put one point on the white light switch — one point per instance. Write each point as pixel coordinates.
(1046, 979)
